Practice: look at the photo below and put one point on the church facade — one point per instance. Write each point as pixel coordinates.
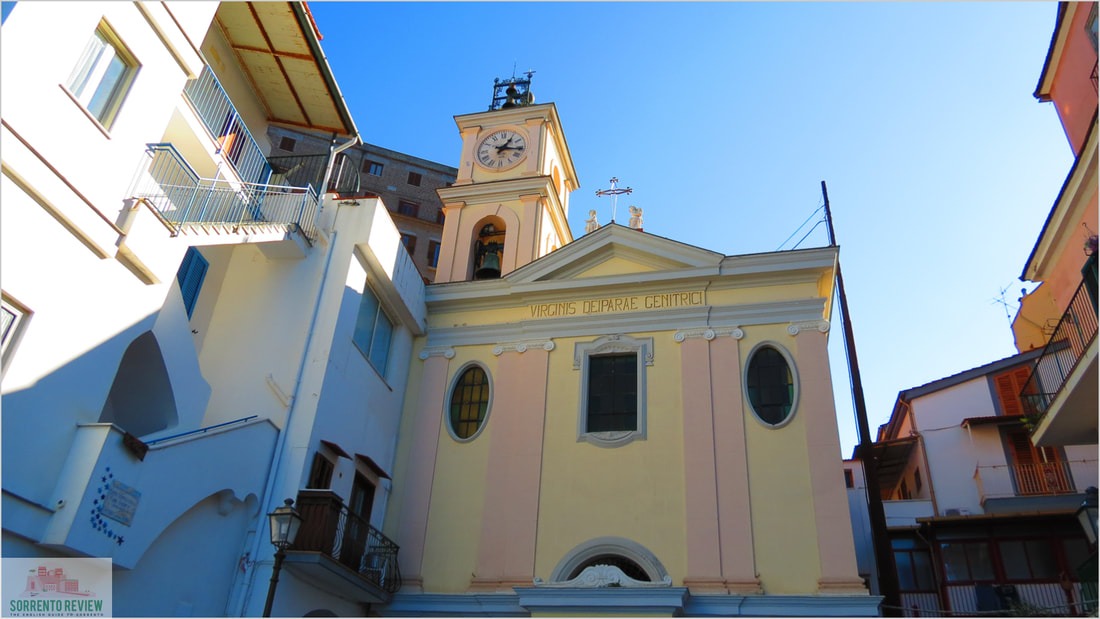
(620, 423)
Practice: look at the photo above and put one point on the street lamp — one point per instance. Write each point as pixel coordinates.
(284, 524)
(1087, 514)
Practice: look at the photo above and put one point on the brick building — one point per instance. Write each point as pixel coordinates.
(405, 183)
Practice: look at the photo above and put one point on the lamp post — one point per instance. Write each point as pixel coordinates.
(283, 524)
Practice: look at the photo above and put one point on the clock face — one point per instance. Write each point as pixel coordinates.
(501, 150)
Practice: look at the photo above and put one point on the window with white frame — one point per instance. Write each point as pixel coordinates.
(613, 389)
(373, 168)
(103, 75)
(13, 320)
(373, 331)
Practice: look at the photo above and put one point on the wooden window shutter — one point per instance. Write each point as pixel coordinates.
(1009, 385)
(1019, 443)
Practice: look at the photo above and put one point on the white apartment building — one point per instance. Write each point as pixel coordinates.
(186, 341)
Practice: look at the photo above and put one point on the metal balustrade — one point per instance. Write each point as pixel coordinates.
(309, 170)
(181, 197)
(220, 117)
(1075, 331)
(329, 527)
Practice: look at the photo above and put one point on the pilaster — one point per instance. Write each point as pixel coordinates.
(413, 527)
(506, 551)
(719, 524)
(836, 548)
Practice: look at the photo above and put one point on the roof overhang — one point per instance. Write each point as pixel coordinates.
(278, 47)
(970, 422)
(1060, 227)
(1054, 51)
(891, 458)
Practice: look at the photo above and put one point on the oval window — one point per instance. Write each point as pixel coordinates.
(770, 385)
(469, 402)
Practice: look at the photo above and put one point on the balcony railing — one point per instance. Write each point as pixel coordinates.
(309, 170)
(329, 527)
(1075, 331)
(1043, 478)
(177, 193)
(221, 119)
(1034, 479)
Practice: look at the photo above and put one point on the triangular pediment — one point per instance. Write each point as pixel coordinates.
(615, 250)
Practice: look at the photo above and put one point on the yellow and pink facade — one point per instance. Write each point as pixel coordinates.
(705, 501)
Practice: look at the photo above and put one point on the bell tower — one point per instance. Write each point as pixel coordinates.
(510, 202)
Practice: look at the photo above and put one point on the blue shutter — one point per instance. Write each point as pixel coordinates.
(192, 272)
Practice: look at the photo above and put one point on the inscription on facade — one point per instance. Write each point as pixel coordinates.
(120, 502)
(611, 305)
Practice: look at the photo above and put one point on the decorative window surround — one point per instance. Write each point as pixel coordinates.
(602, 546)
(794, 381)
(643, 350)
(460, 388)
(437, 351)
(808, 325)
(522, 347)
(708, 333)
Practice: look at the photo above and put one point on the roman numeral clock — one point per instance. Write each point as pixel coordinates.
(501, 150)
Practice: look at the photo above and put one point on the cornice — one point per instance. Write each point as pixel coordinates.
(685, 319)
(493, 191)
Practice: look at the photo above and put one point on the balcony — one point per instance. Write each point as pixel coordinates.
(220, 117)
(1007, 487)
(181, 198)
(1060, 396)
(341, 550)
(309, 171)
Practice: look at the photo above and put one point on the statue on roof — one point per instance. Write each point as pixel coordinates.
(591, 224)
(635, 218)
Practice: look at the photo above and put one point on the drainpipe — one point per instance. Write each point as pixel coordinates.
(333, 151)
(275, 467)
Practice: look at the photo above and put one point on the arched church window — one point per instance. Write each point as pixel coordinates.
(469, 403)
(770, 385)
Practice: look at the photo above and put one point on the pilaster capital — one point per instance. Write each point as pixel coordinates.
(523, 346)
(808, 325)
(437, 351)
(708, 333)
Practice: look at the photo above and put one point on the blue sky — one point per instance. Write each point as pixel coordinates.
(724, 118)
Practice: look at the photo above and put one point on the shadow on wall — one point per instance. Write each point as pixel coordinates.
(144, 379)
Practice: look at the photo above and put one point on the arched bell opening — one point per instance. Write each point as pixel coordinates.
(489, 248)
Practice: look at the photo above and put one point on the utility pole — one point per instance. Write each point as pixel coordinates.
(884, 554)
